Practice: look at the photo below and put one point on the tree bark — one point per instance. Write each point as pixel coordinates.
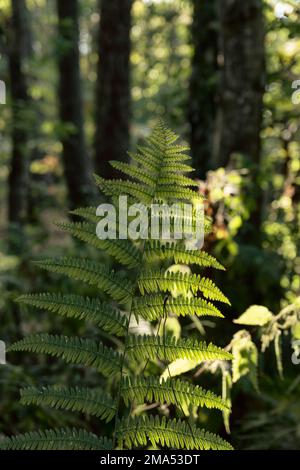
(242, 81)
(113, 84)
(242, 84)
(18, 180)
(77, 165)
(203, 84)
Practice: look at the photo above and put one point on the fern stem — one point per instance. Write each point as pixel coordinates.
(118, 398)
(173, 390)
(123, 356)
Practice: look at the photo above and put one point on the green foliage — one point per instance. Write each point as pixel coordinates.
(169, 348)
(257, 315)
(170, 433)
(245, 357)
(146, 292)
(156, 250)
(151, 307)
(93, 402)
(169, 391)
(272, 327)
(75, 306)
(92, 273)
(72, 350)
(56, 439)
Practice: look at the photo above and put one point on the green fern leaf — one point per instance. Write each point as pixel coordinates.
(159, 175)
(92, 273)
(87, 213)
(93, 402)
(155, 281)
(73, 350)
(122, 250)
(76, 306)
(56, 439)
(176, 180)
(170, 168)
(165, 192)
(153, 307)
(134, 172)
(138, 431)
(157, 250)
(152, 389)
(169, 349)
(146, 164)
(121, 187)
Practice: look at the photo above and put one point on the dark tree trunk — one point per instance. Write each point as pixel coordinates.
(203, 84)
(16, 47)
(113, 84)
(19, 169)
(242, 86)
(242, 79)
(77, 164)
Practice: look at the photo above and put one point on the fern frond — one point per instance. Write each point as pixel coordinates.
(147, 164)
(121, 187)
(176, 149)
(159, 147)
(72, 350)
(76, 306)
(92, 402)
(56, 439)
(162, 133)
(176, 180)
(87, 213)
(134, 172)
(159, 175)
(170, 391)
(151, 163)
(165, 192)
(159, 280)
(92, 273)
(158, 250)
(170, 168)
(177, 216)
(169, 349)
(150, 155)
(165, 178)
(138, 431)
(153, 307)
(122, 250)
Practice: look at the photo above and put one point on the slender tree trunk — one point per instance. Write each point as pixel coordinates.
(19, 169)
(16, 43)
(242, 79)
(113, 84)
(242, 51)
(77, 164)
(203, 84)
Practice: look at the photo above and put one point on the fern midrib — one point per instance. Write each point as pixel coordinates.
(56, 396)
(78, 348)
(94, 310)
(59, 439)
(178, 431)
(136, 286)
(188, 393)
(199, 348)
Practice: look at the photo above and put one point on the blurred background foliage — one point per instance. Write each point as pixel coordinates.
(221, 90)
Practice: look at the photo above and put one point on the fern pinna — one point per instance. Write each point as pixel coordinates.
(151, 292)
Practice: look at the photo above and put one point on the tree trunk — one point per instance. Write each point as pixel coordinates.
(19, 169)
(242, 86)
(77, 164)
(242, 79)
(203, 84)
(113, 84)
